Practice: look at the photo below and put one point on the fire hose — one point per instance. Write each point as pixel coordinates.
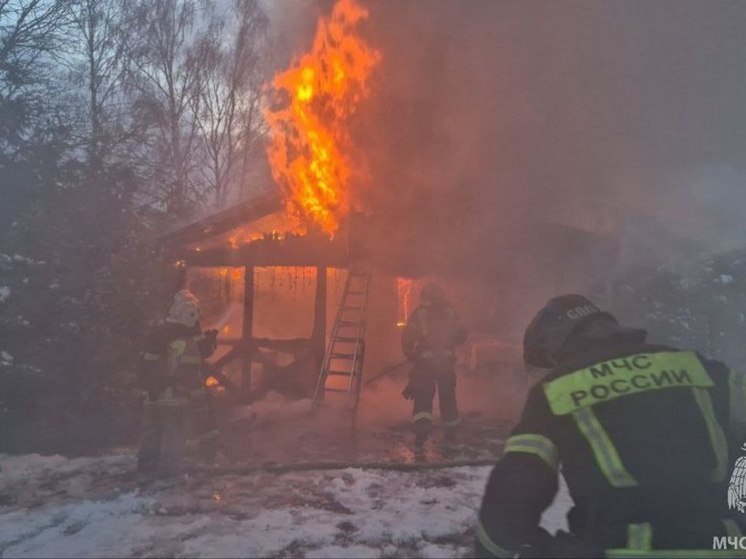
(320, 466)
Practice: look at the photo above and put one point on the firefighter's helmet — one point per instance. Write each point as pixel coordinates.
(554, 324)
(185, 309)
(432, 293)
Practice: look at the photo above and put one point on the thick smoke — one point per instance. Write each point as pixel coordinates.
(489, 120)
(579, 112)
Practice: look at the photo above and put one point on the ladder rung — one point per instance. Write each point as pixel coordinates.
(355, 303)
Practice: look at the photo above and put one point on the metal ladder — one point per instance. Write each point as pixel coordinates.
(342, 368)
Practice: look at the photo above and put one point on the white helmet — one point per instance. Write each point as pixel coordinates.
(185, 309)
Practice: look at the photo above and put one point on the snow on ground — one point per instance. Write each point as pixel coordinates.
(94, 507)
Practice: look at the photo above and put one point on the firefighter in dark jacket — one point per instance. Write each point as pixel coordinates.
(429, 339)
(177, 402)
(644, 435)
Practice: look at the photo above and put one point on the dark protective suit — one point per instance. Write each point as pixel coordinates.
(645, 436)
(177, 402)
(429, 339)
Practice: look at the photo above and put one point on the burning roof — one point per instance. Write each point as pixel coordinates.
(312, 156)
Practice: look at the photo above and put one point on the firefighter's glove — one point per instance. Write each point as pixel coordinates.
(408, 392)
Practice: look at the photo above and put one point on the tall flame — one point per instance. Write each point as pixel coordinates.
(311, 153)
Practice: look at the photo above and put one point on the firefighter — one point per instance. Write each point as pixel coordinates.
(177, 400)
(644, 435)
(428, 340)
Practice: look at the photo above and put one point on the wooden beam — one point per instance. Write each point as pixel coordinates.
(318, 335)
(214, 224)
(291, 252)
(288, 345)
(248, 329)
(232, 354)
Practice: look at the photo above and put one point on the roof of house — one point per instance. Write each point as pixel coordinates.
(217, 223)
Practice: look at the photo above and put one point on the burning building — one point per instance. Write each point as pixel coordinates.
(272, 269)
(313, 163)
(277, 293)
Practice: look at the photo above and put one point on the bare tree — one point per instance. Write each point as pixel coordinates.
(172, 87)
(162, 79)
(97, 22)
(28, 29)
(31, 33)
(231, 57)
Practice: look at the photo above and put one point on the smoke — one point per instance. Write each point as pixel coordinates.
(488, 117)
(489, 123)
(279, 430)
(292, 27)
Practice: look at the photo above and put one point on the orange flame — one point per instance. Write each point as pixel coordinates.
(311, 151)
(404, 293)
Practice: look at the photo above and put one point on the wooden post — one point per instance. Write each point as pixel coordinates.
(318, 335)
(248, 330)
(227, 286)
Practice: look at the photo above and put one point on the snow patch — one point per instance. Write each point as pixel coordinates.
(555, 517)
(352, 513)
(86, 529)
(7, 259)
(27, 468)
(4, 292)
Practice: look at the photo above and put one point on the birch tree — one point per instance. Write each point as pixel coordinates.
(232, 56)
(163, 82)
